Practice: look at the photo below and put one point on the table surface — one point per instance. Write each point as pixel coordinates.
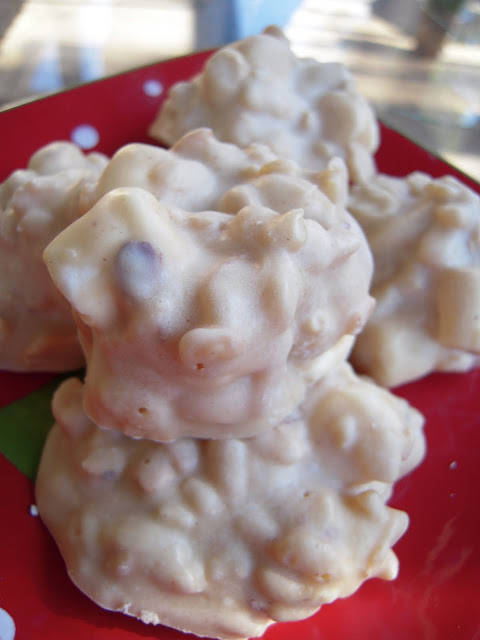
(420, 68)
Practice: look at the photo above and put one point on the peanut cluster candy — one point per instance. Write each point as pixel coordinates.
(206, 293)
(224, 537)
(37, 331)
(425, 237)
(257, 90)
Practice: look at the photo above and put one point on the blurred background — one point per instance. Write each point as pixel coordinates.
(417, 61)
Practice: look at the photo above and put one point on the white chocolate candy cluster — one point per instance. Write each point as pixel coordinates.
(217, 293)
(257, 90)
(37, 331)
(209, 284)
(222, 467)
(224, 537)
(425, 237)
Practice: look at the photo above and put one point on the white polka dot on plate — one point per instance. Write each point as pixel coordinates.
(152, 88)
(86, 136)
(7, 626)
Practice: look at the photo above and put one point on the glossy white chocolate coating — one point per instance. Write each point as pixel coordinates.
(257, 90)
(203, 309)
(37, 331)
(425, 238)
(224, 537)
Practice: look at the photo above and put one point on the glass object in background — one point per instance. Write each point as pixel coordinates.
(433, 99)
(435, 23)
(218, 22)
(8, 11)
(50, 44)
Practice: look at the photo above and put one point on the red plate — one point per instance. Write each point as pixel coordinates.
(436, 595)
